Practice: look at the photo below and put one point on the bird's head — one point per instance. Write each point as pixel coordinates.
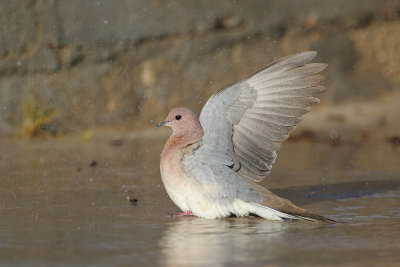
(184, 123)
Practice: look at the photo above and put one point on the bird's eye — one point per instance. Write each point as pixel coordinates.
(178, 117)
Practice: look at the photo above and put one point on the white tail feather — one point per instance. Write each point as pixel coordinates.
(269, 213)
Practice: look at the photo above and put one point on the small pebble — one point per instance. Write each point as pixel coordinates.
(93, 163)
(117, 142)
(394, 140)
(133, 201)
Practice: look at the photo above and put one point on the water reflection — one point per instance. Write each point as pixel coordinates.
(248, 241)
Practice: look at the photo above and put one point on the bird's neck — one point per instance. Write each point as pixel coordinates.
(178, 144)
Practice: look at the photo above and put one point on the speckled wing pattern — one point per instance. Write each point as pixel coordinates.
(244, 124)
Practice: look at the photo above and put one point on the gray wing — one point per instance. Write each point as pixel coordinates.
(245, 123)
(218, 181)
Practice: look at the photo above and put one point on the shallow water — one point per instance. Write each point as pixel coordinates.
(72, 203)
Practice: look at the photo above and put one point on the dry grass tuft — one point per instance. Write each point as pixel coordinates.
(37, 118)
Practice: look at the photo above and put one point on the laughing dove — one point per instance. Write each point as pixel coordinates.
(210, 166)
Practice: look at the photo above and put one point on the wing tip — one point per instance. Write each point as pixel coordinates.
(323, 66)
(306, 55)
(310, 54)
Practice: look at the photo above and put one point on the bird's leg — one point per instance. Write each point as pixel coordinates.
(182, 213)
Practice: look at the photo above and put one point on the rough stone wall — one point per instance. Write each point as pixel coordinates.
(100, 62)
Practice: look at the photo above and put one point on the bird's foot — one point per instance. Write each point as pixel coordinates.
(183, 213)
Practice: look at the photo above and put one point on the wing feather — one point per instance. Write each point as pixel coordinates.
(304, 82)
(261, 114)
(244, 124)
(289, 102)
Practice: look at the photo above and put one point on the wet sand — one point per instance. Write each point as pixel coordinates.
(102, 203)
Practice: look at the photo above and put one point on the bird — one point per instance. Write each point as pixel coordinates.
(211, 164)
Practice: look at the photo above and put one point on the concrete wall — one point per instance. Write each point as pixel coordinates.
(100, 62)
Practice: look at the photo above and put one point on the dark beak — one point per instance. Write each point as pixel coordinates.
(161, 123)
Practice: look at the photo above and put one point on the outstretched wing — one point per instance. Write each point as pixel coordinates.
(245, 123)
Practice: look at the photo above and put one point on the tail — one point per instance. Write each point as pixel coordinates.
(294, 213)
(277, 208)
(309, 216)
